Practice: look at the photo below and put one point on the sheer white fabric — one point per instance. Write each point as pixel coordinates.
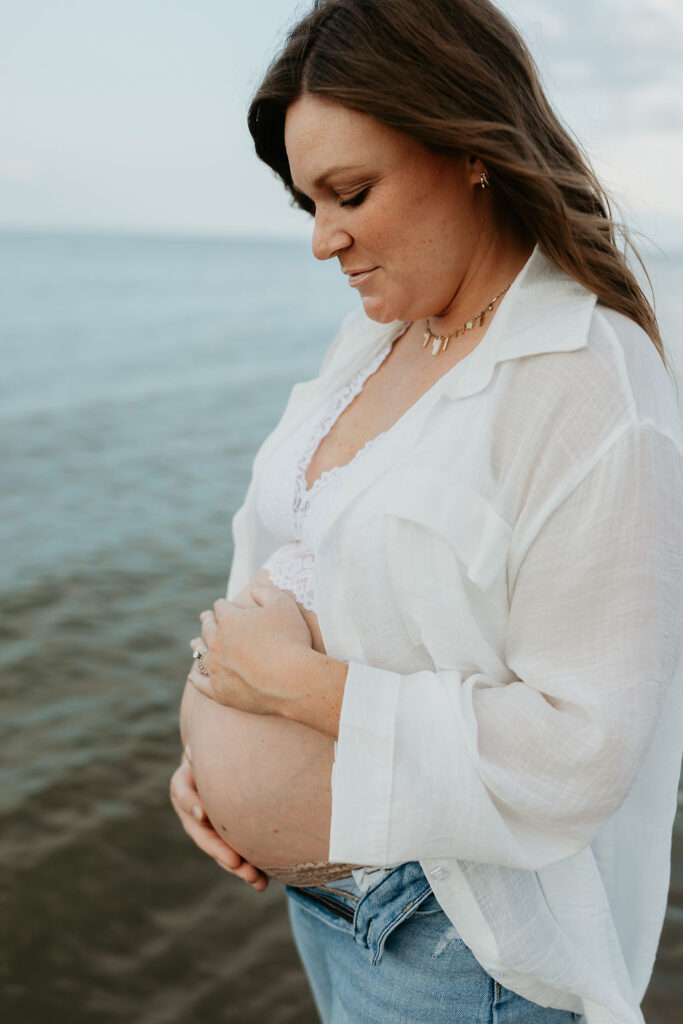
(504, 576)
(296, 514)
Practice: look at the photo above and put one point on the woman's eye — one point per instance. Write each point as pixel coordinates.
(355, 200)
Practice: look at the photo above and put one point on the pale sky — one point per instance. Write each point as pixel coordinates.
(130, 114)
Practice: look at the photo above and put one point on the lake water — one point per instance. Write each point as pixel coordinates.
(137, 379)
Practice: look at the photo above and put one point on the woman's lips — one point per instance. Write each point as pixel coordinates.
(359, 277)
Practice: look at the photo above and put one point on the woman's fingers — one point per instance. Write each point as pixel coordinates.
(221, 608)
(198, 679)
(248, 873)
(187, 805)
(184, 792)
(209, 626)
(197, 643)
(221, 685)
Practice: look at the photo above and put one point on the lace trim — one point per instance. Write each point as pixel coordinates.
(311, 873)
(338, 402)
(291, 568)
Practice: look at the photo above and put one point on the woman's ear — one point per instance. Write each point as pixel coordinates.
(477, 173)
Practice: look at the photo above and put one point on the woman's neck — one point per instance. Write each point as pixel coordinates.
(493, 268)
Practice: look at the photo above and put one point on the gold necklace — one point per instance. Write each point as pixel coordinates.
(439, 342)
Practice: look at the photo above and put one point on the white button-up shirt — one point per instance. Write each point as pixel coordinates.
(504, 575)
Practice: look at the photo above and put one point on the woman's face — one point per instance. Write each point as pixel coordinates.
(406, 224)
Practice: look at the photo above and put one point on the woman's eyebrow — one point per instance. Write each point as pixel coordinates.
(322, 178)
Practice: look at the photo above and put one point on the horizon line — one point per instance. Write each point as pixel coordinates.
(152, 233)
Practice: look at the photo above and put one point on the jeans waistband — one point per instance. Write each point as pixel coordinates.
(370, 916)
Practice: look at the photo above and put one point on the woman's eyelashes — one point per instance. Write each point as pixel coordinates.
(357, 199)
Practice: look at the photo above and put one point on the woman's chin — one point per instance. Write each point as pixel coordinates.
(376, 308)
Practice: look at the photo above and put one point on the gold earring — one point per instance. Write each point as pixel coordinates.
(485, 180)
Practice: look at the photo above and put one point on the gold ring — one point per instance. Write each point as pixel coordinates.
(197, 656)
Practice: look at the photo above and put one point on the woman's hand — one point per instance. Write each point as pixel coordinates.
(245, 600)
(188, 807)
(249, 649)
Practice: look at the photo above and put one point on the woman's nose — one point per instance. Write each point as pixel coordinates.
(329, 237)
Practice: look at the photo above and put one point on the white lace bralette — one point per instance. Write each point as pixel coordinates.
(295, 515)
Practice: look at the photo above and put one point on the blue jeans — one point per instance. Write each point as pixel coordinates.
(395, 958)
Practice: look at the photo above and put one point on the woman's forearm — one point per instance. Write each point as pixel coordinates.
(315, 699)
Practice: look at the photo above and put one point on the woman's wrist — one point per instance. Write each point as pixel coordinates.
(315, 690)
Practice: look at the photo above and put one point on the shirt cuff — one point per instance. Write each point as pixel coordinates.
(363, 767)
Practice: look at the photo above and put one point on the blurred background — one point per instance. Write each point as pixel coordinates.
(158, 300)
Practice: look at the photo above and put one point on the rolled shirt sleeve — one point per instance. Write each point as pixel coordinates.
(523, 774)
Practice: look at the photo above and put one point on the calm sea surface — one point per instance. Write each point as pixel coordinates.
(137, 379)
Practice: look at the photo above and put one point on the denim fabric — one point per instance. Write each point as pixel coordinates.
(398, 960)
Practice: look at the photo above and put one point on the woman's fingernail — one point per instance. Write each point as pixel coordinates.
(197, 811)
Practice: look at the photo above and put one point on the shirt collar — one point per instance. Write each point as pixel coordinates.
(544, 310)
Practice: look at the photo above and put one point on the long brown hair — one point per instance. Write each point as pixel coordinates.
(457, 76)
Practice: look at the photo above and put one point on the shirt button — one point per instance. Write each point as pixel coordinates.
(439, 872)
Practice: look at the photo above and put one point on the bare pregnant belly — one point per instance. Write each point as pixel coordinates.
(264, 781)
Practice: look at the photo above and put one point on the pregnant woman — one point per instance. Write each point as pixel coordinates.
(442, 698)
